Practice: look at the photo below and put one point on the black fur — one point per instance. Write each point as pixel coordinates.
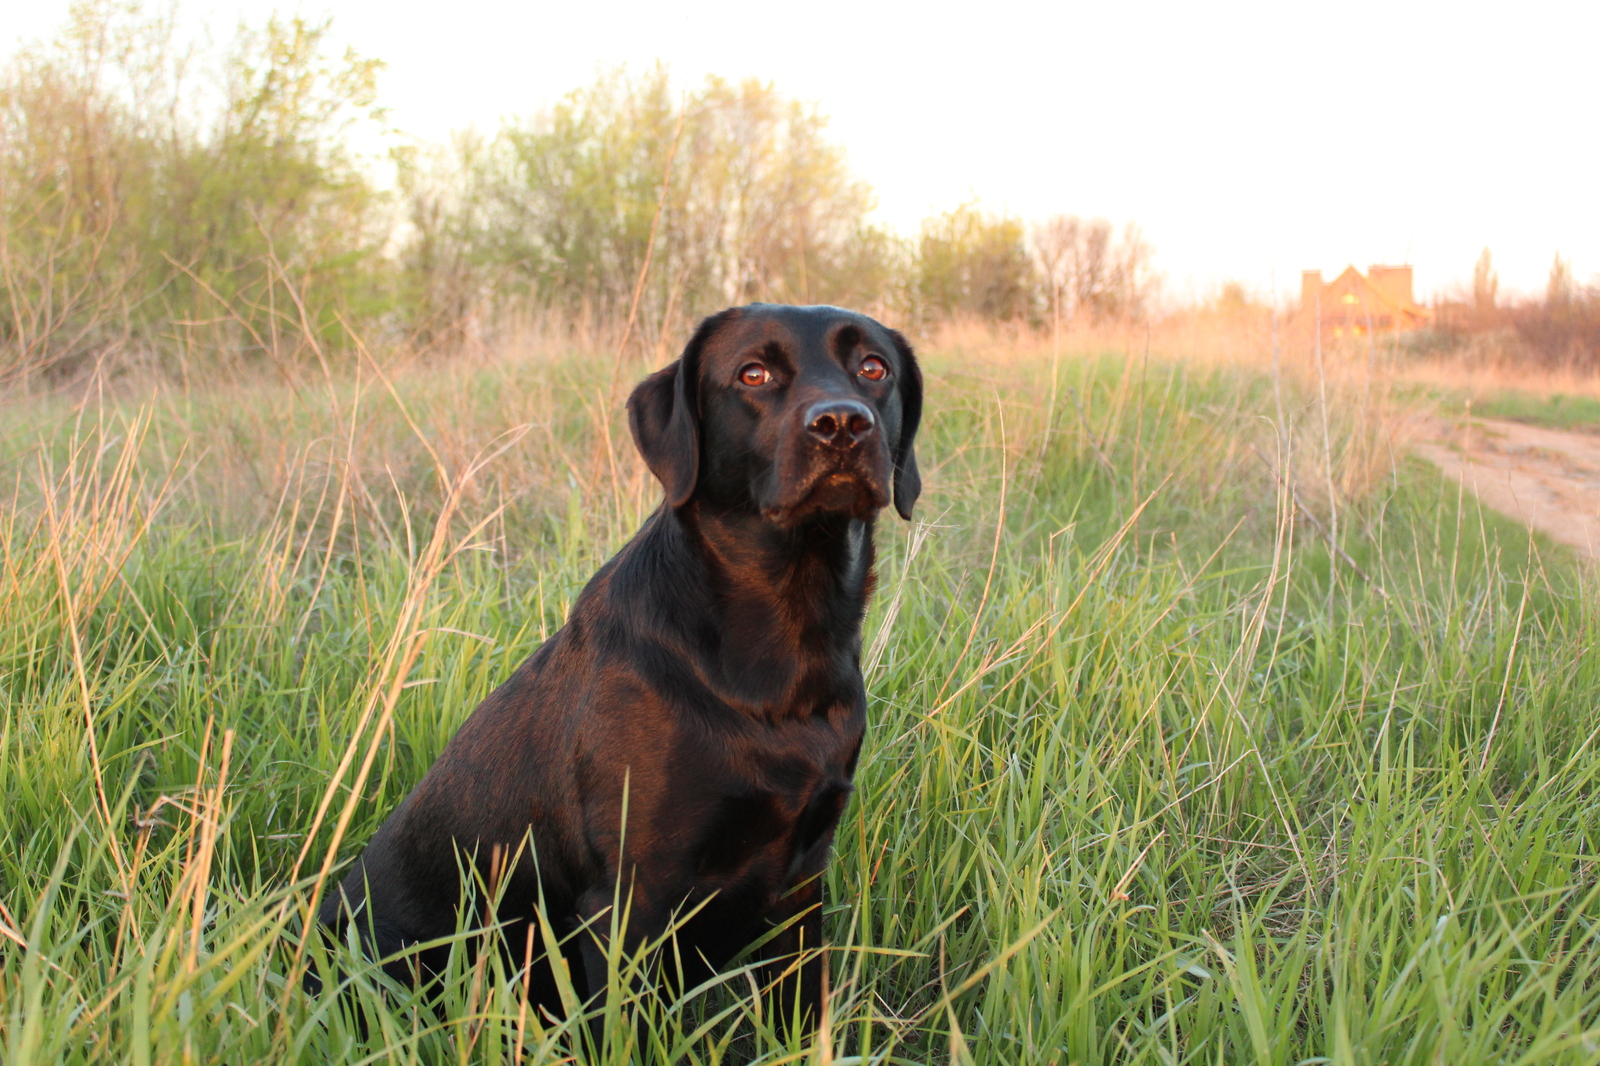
(708, 678)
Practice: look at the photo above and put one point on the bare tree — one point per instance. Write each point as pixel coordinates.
(1560, 289)
(1054, 241)
(1091, 273)
(1485, 285)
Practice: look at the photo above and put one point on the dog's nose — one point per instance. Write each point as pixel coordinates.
(840, 422)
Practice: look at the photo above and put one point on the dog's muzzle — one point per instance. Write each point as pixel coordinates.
(836, 463)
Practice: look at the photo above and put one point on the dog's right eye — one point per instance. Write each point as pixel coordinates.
(754, 375)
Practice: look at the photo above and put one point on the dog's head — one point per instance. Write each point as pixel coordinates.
(791, 412)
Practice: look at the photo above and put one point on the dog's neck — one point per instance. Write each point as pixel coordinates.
(790, 600)
(816, 575)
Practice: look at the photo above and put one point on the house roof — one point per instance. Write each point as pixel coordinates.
(1372, 296)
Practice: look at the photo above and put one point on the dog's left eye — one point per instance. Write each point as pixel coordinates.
(754, 374)
(873, 368)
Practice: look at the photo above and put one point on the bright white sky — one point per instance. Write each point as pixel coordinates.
(1250, 140)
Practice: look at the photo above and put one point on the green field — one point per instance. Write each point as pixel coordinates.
(1151, 775)
(1558, 410)
(1548, 407)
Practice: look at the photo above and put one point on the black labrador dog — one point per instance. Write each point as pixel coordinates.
(707, 683)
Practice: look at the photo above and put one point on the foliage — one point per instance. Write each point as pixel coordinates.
(732, 192)
(969, 263)
(1561, 331)
(189, 212)
(150, 212)
(1565, 329)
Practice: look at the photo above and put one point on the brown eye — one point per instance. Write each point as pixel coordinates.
(873, 368)
(754, 375)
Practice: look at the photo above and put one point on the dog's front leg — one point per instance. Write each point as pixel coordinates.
(793, 970)
(636, 926)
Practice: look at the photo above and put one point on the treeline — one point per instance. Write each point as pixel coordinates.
(163, 207)
(190, 211)
(1561, 329)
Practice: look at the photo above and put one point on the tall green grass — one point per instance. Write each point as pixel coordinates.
(1152, 774)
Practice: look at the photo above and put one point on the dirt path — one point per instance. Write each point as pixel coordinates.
(1547, 478)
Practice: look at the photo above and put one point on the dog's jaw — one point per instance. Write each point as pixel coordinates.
(840, 493)
(808, 482)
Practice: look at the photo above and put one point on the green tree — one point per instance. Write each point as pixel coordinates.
(754, 203)
(969, 263)
(137, 224)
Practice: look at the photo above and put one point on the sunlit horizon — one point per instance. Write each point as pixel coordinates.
(1248, 143)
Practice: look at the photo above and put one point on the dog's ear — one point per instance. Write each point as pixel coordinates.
(666, 433)
(664, 415)
(907, 478)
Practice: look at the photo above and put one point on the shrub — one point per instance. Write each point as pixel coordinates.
(148, 212)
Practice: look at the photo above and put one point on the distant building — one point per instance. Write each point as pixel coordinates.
(1351, 304)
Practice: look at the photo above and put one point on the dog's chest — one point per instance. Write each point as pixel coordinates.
(774, 812)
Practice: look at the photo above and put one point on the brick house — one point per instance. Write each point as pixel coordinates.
(1351, 304)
